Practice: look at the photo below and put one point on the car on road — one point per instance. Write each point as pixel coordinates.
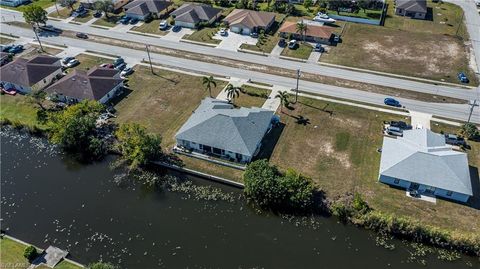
(455, 140)
(120, 66)
(391, 102)
(176, 28)
(106, 65)
(67, 59)
(81, 35)
(97, 14)
(463, 78)
(133, 21)
(282, 43)
(50, 28)
(163, 25)
(292, 44)
(319, 48)
(124, 20)
(223, 32)
(127, 71)
(72, 63)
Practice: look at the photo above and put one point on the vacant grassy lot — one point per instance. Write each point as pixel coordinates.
(204, 35)
(150, 28)
(421, 48)
(302, 51)
(337, 146)
(270, 40)
(18, 109)
(89, 61)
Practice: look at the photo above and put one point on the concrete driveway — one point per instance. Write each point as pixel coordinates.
(176, 36)
(277, 50)
(233, 41)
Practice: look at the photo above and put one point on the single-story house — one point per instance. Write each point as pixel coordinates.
(217, 128)
(244, 21)
(30, 75)
(144, 9)
(416, 9)
(13, 3)
(117, 4)
(315, 32)
(422, 161)
(98, 84)
(189, 15)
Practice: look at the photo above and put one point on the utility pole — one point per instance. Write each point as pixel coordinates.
(296, 88)
(149, 59)
(472, 106)
(38, 38)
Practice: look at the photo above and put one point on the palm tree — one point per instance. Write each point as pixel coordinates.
(283, 96)
(232, 92)
(302, 29)
(208, 82)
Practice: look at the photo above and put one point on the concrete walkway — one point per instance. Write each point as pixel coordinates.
(273, 103)
(90, 22)
(420, 120)
(176, 36)
(314, 57)
(277, 50)
(70, 51)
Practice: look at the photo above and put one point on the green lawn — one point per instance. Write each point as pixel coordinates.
(89, 61)
(252, 97)
(302, 51)
(111, 21)
(42, 3)
(63, 12)
(150, 28)
(204, 35)
(270, 40)
(18, 109)
(84, 19)
(5, 40)
(367, 14)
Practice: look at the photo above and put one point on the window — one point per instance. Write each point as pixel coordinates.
(396, 181)
(449, 193)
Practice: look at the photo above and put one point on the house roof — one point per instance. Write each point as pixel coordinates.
(312, 30)
(412, 5)
(218, 124)
(144, 7)
(422, 156)
(250, 18)
(27, 73)
(195, 12)
(93, 84)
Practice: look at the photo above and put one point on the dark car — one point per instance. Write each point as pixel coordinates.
(111, 66)
(118, 61)
(401, 124)
(462, 77)
(120, 66)
(391, 102)
(133, 21)
(16, 49)
(7, 48)
(67, 59)
(455, 140)
(124, 20)
(81, 35)
(319, 48)
(176, 28)
(282, 42)
(50, 28)
(97, 14)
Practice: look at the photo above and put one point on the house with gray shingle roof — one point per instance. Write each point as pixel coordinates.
(422, 161)
(144, 9)
(189, 15)
(30, 75)
(217, 128)
(415, 9)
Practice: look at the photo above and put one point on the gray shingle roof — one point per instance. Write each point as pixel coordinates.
(27, 73)
(195, 13)
(421, 156)
(217, 123)
(143, 7)
(412, 5)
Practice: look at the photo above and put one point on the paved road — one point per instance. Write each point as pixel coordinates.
(450, 91)
(459, 112)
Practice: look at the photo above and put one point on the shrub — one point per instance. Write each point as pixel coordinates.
(101, 265)
(469, 130)
(30, 253)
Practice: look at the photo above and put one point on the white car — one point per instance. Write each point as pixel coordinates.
(72, 63)
(163, 25)
(223, 32)
(292, 44)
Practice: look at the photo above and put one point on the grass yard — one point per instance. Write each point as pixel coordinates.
(212, 168)
(6, 40)
(270, 40)
(33, 51)
(341, 142)
(111, 21)
(204, 35)
(63, 12)
(42, 3)
(84, 19)
(18, 109)
(150, 28)
(89, 61)
(252, 97)
(302, 51)
(367, 14)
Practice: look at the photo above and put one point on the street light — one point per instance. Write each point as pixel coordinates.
(472, 105)
(149, 59)
(296, 88)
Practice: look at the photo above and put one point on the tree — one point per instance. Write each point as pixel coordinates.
(104, 5)
(101, 265)
(137, 146)
(363, 4)
(30, 253)
(301, 28)
(283, 96)
(469, 130)
(232, 92)
(34, 15)
(298, 189)
(208, 82)
(75, 129)
(308, 4)
(68, 3)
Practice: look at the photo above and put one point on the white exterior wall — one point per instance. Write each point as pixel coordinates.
(196, 147)
(110, 94)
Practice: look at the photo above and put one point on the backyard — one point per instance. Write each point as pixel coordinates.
(342, 142)
(428, 49)
(18, 109)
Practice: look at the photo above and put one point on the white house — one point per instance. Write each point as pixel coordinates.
(217, 128)
(422, 161)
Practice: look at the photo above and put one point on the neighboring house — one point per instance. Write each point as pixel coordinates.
(5, 58)
(30, 75)
(416, 9)
(244, 21)
(189, 15)
(98, 84)
(315, 33)
(13, 3)
(420, 160)
(217, 128)
(117, 4)
(144, 9)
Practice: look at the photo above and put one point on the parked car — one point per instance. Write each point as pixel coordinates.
(319, 48)
(254, 34)
(72, 63)
(395, 131)
(124, 20)
(292, 44)
(6, 48)
(391, 102)
(454, 140)
(282, 43)
(81, 35)
(66, 60)
(111, 66)
(223, 32)
(462, 77)
(133, 21)
(80, 12)
(400, 124)
(176, 28)
(336, 38)
(127, 71)
(163, 25)
(120, 66)
(16, 49)
(97, 14)
(118, 61)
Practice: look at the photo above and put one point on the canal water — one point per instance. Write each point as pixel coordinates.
(48, 198)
